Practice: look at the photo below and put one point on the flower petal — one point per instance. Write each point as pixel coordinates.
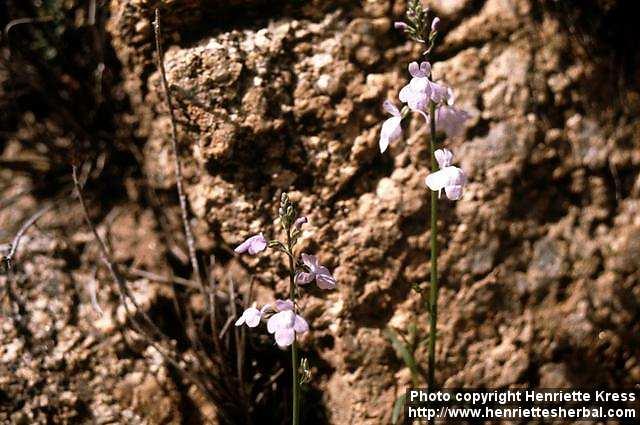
(252, 317)
(420, 86)
(285, 337)
(310, 260)
(438, 92)
(391, 130)
(405, 93)
(453, 192)
(444, 157)
(258, 244)
(243, 247)
(414, 70)
(279, 321)
(425, 69)
(391, 108)
(438, 180)
(253, 245)
(284, 305)
(451, 179)
(456, 176)
(300, 325)
(416, 94)
(451, 120)
(325, 279)
(302, 278)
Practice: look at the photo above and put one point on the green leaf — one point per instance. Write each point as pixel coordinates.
(398, 408)
(404, 353)
(413, 332)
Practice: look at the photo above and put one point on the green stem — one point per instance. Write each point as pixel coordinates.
(295, 415)
(433, 292)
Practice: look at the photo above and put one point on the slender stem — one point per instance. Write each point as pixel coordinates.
(295, 415)
(433, 292)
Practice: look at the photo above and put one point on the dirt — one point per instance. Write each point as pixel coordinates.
(539, 264)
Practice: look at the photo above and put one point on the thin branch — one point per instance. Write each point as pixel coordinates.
(8, 259)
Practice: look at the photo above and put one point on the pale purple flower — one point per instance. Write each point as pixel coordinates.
(322, 275)
(251, 317)
(286, 324)
(421, 90)
(300, 221)
(253, 245)
(451, 120)
(434, 24)
(399, 25)
(439, 92)
(451, 179)
(416, 94)
(391, 129)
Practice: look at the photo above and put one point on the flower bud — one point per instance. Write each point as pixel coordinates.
(300, 221)
(434, 24)
(399, 25)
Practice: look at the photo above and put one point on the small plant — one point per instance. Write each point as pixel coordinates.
(283, 320)
(434, 102)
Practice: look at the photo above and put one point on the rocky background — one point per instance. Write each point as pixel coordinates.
(540, 259)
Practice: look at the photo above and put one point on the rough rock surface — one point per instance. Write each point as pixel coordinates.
(539, 264)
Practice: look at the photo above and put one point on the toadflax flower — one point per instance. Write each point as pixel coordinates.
(451, 179)
(253, 245)
(450, 119)
(421, 90)
(417, 93)
(391, 129)
(322, 275)
(251, 317)
(286, 324)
